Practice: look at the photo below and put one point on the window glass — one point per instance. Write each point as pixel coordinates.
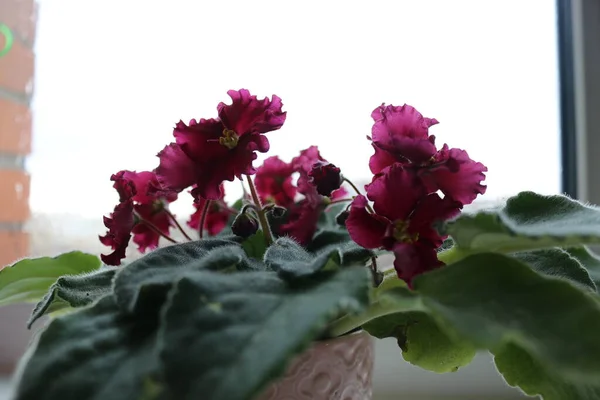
(113, 77)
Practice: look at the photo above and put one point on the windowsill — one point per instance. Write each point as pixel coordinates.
(394, 379)
(5, 392)
(4, 388)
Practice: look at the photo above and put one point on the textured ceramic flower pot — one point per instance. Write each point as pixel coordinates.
(336, 369)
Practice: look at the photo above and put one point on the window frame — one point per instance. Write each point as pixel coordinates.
(579, 63)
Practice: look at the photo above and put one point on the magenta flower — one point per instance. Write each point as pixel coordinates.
(302, 164)
(273, 182)
(326, 177)
(244, 225)
(139, 212)
(400, 135)
(210, 151)
(455, 174)
(405, 212)
(404, 133)
(120, 223)
(302, 219)
(380, 160)
(217, 215)
(155, 213)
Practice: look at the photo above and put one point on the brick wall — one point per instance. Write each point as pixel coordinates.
(16, 88)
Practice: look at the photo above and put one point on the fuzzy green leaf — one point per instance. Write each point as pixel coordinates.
(292, 261)
(29, 280)
(558, 263)
(286, 250)
(589, 260)
(328, 237)
(391, 297)
(227, 336)
(519, 369)
(349, 252)
(144, 284)
(495, 299)
(226, 232)
(255, 246)
(74, 291)
(95, 353)
(447, 244)
(329, 232)
(327, 219)
(422, 342)
(528, 221)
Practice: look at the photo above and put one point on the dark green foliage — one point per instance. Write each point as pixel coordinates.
(28, 280)
(74, 291)
(197, 320)
(220, 318)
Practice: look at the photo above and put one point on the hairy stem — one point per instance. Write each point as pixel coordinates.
(375, 273)
(262, 215)
(448, 256)
(203, 218)
(380, 308)
(358, 192)
(352, 184)
(452, 255)
(172, 217)
(332, 202)
(348, 323)
(155, 229)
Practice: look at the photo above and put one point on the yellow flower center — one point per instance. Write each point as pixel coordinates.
(229, 139)
(157, 205)
(401, 234)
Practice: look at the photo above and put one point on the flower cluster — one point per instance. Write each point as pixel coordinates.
(216, 215)
(208, 152)
(414, 185)
(409, 172)
(274, 184)
(139, 212)
(204, 155)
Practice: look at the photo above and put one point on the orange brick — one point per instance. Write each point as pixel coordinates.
(15, 128)
(14, 198)
(13, 246)
(16, 69)
(20, 16)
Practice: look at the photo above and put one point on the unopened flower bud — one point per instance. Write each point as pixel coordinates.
(342, 217)
(278, 212)
(326, 177)
(244, 225)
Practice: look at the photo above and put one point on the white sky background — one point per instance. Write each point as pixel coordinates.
(113, 77)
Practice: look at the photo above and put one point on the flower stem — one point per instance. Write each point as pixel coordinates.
(352, 184)
(449, 256)
(155, 229)
(229, 209)
(390, 274)
(452, 255)
(262, 215)
(380, 308)
(203, 218)
(348, 323)
(376, 274)
(172, 217)
(358, 192)
(332, 202)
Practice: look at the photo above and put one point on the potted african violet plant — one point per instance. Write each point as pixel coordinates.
(281, 292)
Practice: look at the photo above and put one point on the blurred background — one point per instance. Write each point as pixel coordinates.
(90, 87)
